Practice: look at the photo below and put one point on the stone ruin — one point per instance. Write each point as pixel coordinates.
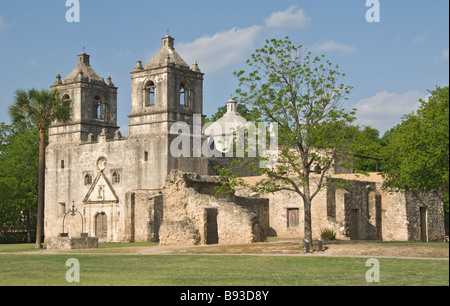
(194, 215)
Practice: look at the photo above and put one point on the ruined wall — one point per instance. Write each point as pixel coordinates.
(188, 202)
(357, 208)
(145, 215)
(425, 213)
(284, 204)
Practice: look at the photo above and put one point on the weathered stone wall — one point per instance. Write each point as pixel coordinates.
(358, 208)
(146, 213)
(433, 208)
(394, 216)
(181, 232)
(72, 243)
(186, 200)
(281, 202)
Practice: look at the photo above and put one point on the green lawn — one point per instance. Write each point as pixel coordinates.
(205, 270)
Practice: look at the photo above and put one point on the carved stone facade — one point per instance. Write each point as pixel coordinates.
(111, 179)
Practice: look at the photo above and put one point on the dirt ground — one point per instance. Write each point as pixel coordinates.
(284, 247)
(294, 247)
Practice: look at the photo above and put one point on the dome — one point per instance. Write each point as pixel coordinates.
(226, 126)
(167, 56)
(83, 71)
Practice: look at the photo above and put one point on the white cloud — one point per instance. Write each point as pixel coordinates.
(31, 64)
(420, 39)
(4, 25)
(290, 18)
(123, 53)
(332, 46)
(384, 110)
(218, 51)
(222, 49)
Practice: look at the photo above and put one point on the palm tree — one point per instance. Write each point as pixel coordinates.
(41, 108)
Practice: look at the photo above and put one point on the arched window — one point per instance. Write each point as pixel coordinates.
(88, 180)
(183, 95)
(65, 98)
(97, 108)
(116, 178)
(150, 94)
(100, 109)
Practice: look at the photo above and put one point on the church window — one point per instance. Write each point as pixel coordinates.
(62, 164)
(88, 180)
(145, 156)
(65, 98)
(116, 178)
(183, 95)
(150, 94)
(97, 108)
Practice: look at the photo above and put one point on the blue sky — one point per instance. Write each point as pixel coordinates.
(391, 64)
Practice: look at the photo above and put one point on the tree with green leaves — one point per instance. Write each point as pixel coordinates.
(39, 108)
(19, 149)
(366, 147)
(303, 95)
(416, 157)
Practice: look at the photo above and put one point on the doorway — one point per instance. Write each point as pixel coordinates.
(101, 226)
(212, 234)
(423, 224)
(355, 225)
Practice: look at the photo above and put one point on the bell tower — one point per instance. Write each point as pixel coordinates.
(164, 91)
(94, 104)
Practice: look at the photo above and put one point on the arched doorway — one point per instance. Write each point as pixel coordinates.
(101, 226)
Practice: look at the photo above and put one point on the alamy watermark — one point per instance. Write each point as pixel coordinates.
(373, 13)
(73, 13)
(73, 274)
(373, 274)
(229, 139)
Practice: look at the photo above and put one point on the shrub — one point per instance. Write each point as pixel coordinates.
(327, 234)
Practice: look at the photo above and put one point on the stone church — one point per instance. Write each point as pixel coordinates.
(133, 190)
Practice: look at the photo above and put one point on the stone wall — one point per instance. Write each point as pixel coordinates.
(357, 208)
(187, 200)
(146, 213)
(427, 227)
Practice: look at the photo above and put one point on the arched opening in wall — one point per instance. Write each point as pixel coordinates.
(116, 178)
(150, 94)
(101, 226)
(88, 180)
(183, 95)
(65, 98)
(97, 113)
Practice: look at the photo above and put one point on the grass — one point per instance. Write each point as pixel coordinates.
(205, 270)
(32, 269)
(12, 248)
